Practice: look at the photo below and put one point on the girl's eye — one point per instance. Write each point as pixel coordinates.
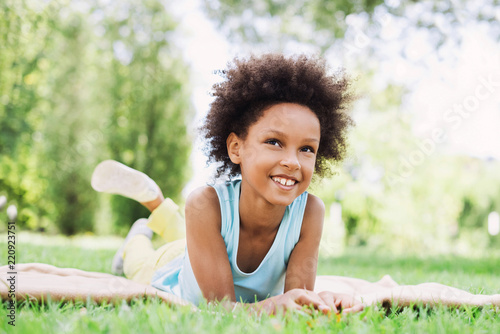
(272, 142)
(307, 149)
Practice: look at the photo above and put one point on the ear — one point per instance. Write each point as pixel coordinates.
(233, 144)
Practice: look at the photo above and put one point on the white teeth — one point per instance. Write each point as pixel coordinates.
(285, 182)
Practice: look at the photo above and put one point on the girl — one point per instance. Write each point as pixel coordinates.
(274, 122)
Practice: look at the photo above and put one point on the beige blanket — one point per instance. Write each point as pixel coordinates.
(36, 281)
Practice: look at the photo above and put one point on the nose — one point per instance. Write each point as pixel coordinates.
(290, 161)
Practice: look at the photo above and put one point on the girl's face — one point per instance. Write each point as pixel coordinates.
(278, 156)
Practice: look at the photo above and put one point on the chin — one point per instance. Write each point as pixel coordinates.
(283, 202)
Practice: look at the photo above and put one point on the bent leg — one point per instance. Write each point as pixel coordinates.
(167, 221)
(137, 255)
(113, 177)
(140, 260)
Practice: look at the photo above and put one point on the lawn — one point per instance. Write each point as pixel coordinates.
(151, 316)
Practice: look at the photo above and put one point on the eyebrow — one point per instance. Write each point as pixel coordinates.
(282, 134)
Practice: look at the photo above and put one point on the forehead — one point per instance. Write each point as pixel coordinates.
(288, 116)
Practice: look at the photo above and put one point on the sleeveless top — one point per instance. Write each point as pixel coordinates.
(267, 280)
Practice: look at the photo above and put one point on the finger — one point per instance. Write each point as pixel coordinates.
(269, 309)
(309, 298)
(338, 303)
(327, 309)
(329, 300)
(326, 306)
(354, 309)
(305, 297)
(345, 302)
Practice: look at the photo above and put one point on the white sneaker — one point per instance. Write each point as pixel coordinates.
(113, 177)
(139, 227)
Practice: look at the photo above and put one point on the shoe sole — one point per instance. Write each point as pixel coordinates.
(113, 177)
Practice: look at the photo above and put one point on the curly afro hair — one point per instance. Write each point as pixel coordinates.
(252, 85)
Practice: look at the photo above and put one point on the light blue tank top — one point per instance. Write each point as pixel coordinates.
(266, 281)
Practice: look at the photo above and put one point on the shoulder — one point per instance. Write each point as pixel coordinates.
(314, 207)
(314, 214)
(203, 195)
(203, 204)
(314, 203)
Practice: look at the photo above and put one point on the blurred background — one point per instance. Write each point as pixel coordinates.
(86, 80)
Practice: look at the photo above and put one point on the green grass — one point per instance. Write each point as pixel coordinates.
(94, 254)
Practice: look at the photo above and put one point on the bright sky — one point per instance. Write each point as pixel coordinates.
(463, 99)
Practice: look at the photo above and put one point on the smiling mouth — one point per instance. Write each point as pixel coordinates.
(284, 181)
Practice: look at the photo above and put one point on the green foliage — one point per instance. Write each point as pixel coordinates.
(81, 84)
(21, 50)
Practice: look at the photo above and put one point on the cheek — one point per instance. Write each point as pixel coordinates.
(251, 152)
(309, 164)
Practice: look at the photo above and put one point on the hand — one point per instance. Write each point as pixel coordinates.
(340, 302)
(295, 299)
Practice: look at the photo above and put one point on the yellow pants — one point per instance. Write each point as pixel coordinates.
(140, 259)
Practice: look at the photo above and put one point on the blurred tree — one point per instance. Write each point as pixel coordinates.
(23, 33)
(84, 81)
(66, 121)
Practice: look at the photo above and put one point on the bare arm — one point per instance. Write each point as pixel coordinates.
(206, 247)
(301, 271)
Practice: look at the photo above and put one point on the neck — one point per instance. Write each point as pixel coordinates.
(258, 216)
